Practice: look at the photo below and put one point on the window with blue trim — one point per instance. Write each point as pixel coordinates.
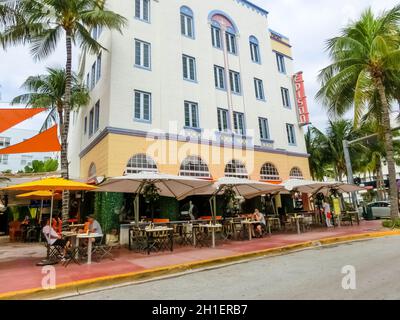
(187, 22)
(285, 97)
(254, 50)
(234, 79)
(223, 125)
(142, 106)
(280, 60)
(189, 68)
(291, 134)
(259, 89)
(191, 115)
(142, 54)
(142, 10)
(231, 43)
(216, 37)
(219, 77)
(264, 128)
(238, 122)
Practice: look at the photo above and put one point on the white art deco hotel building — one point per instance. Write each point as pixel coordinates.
(191, 87)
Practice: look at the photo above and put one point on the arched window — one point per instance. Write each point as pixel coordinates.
(236, 169)
(92, 171)
(254, 49)
(187, 22)
(220, 21)
(296, 173)
(140, 163)
(194, 166)
(269, 172)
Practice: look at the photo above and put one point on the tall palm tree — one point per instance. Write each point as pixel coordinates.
(317, 160)
(365, 62)
(43, 23)
(48, 91)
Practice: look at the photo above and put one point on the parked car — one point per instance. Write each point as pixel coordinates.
(379, 209)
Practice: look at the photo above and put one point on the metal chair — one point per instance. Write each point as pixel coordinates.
(102, 250)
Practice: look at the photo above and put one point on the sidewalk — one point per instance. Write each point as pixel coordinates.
(18, 270)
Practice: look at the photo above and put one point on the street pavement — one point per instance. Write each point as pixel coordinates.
(310, 274)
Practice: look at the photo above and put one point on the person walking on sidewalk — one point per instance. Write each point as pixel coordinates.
(328, 213)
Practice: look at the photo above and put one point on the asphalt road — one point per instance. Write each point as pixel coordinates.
(311, 274)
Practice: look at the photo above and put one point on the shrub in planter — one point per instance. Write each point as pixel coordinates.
(391, 224)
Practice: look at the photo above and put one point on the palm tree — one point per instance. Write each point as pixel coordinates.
(48, 91)
(43, 23)
(365, 64)
(317, 160)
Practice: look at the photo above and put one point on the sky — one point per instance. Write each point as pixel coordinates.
(308, 24)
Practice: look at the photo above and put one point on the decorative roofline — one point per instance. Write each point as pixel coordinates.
(252, 6)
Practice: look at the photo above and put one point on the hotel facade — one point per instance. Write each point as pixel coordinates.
(195, 88)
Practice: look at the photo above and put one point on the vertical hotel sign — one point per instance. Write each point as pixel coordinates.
(301, 99)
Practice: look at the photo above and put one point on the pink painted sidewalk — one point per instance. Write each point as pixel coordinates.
(18, 270)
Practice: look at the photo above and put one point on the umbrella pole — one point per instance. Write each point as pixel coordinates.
(136, 203)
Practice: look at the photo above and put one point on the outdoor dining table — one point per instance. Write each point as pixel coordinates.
(89, 236)
(250, 223)
(213, 227)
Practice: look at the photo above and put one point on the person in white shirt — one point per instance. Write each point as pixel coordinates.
(55, 239)
(258, 216)
(328, 213)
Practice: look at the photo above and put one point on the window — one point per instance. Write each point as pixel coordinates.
(223, 120)
(194, 167)
(216, 37)
(98, 68)
(296, 173)
(97, 116)
(291, 134)
(259, 89)
(91, 122)
(85, 125)
(254, 50)
(191, 115)
(142, 10)
(285, 97)
(187, 25)
(269, 172)
(88, 81)
(96, 32)
(264, 128)
(238, 122)
(142, 106)
(3, 158)
(4, 142)
(219, 77)
(280, 59)
(26, 160)
(230, 43)
(236, 169)
(140, 163)
(234, 78)
(189, 68)
(93, 76)
(142, 54)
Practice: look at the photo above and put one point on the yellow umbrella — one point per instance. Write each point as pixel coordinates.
(52, 184)
(39, 195)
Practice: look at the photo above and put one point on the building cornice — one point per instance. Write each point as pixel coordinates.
(170, 137)
(252, 6)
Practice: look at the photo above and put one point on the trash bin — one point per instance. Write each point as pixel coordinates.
(368, 214)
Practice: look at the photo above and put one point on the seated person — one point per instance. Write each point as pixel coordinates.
(94, 227)
(258, 216)
(54, 239)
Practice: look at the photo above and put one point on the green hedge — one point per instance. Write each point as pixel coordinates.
(391, 224)
(107, 207)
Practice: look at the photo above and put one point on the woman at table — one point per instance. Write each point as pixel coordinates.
(258, 227)
(55, 239)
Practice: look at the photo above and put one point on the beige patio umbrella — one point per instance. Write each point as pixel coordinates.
(172, 186)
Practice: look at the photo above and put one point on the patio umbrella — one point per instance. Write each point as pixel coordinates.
(341, 187)
(243, 187)
(169, 185)
(39, 195)
(51, 184)
(304, 186)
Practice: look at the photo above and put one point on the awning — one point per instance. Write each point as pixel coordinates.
(11, 117)
(47, 141)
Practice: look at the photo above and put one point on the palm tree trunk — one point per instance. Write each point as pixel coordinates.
(380, 184)
(64, 132)
(394, 204)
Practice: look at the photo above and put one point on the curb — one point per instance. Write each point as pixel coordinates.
(72, 288)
